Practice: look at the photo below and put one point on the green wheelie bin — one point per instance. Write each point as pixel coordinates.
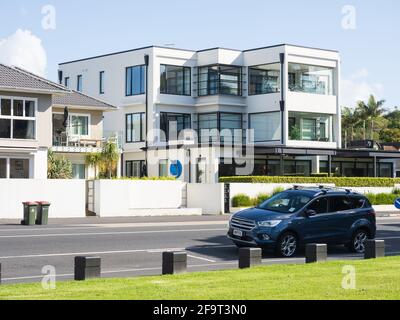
(42, 217)
(30, 213)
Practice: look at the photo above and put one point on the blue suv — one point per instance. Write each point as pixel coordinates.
(295, 217)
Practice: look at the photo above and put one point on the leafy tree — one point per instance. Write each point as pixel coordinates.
(371, 112)
(94, 159)
(109, 157)
(390, 135)
(350, 120)
(393, 118)
(58, 167)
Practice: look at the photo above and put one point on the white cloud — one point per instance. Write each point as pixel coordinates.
(358, 87)
(24, 50)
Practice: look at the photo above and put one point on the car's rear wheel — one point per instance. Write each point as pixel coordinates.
(357, 243)
(287, 245)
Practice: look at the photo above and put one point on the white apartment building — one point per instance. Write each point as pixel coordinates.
(289, 95)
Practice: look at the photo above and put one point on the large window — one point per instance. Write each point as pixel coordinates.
(310, 79)
(220, 79)
(101, 81)
(359, 168)
(17, 118)
(135, 80)
(173, 123)
(79, 125)
(212, 124)
(79, 83)
(175, 80)
(134, 168)
(266, 126)
(135, 127)
(19, 168)
(78, 171)
(3, 168)
(310, 126)
(265, 79)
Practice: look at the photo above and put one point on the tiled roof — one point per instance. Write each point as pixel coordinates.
(18, 79)
(75, 98)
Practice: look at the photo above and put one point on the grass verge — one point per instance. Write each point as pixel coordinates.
(375, 279)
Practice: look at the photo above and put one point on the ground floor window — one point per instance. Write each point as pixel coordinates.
(3, 168)
(163, 168)
(19, 168)
(78, 171)
(269, 167)
(357, 168)
(134, 168)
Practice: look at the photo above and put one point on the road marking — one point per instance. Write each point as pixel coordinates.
(106, 233)
(111, 252)
(200, 258)
(121, 226)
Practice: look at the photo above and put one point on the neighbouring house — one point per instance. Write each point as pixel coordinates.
(289, 95)
(29, 115)
(78, 130)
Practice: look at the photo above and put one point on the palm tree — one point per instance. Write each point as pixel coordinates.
(93, 159)
(110, 156)
(350, 120)
(371, 112)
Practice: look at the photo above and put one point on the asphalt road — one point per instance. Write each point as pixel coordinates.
(132, 247)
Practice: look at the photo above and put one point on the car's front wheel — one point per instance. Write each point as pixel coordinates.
(357, 243)
(287, 245)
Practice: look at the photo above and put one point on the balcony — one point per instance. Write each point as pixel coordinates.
(66, 143)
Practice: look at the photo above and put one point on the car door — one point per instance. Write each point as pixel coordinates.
(341, 214)
(314, 228)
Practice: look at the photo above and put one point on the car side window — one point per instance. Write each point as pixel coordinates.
(320, 206)
(341, 203)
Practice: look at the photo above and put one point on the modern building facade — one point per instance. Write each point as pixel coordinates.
(37, 115)
(288, 96)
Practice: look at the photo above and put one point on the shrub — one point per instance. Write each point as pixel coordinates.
(396, 191)
(261, 198)
(146, 178)
(319, 175)
(382, 198)
(241, 200)
(338, 181)
(277, 190)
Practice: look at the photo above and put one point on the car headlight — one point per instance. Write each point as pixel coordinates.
(269, 223)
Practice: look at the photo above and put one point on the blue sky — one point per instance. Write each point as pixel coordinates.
(370, 53)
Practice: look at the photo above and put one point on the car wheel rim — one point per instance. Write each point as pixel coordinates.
(288, 246)
(359, 242)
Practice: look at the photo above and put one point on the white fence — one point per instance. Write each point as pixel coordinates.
(208, 197)
(139, 198)
(67, 197)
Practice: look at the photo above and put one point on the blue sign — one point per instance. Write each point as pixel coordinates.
(176, 169)
(397, 203)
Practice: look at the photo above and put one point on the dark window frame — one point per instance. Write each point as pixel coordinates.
(66, 82)
(101, 82)
(190, 80)
(218, 113)
(178, 114)
(218, 82)
(79, 83)
(130, 162)
(129, 91)
(142, 126)
(249, 123)
(254, 67)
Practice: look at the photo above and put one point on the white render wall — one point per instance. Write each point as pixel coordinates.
(67, 197)
(115, 198)
(208, 197)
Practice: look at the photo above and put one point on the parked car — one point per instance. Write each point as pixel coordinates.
(295, 217)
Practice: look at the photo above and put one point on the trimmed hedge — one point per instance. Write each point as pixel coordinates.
(338, 181)
(241, 200)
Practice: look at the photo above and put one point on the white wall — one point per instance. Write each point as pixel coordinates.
(209, 197)
(67, 197)
(123, 197)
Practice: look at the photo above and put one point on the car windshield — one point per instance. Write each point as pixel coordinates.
(286, 202)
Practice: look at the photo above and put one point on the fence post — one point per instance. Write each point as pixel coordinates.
(249, 257)
(316, 252)
(174, 262)
(374, 249)
(87, 267)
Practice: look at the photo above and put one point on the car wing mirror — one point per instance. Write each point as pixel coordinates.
(311, 213)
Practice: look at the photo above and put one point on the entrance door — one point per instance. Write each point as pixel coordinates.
(201, 171)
